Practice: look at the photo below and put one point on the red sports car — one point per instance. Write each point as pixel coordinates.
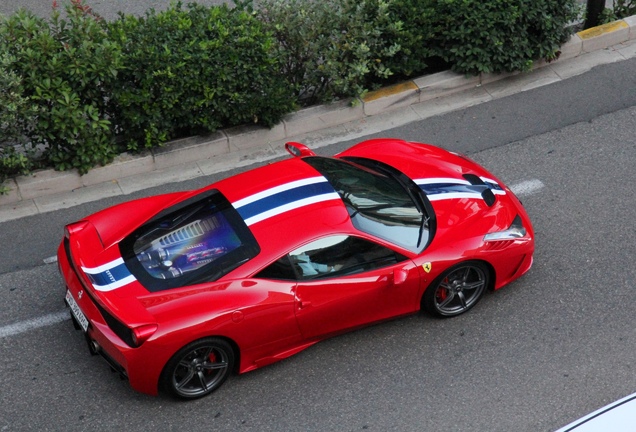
(178, 290)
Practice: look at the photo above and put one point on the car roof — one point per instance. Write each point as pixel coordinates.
(288, 203)
(285, 204)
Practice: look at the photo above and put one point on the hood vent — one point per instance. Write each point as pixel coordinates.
(482, 187)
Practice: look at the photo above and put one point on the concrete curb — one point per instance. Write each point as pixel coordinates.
(423, 97)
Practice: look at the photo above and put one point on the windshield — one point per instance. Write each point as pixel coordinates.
(198, 240)
(380, 202)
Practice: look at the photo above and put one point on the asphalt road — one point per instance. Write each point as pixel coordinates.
(534, 356)
(105, 8)
(110, 8)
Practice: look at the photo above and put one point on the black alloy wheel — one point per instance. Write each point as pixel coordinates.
(456, 290)
(198, 369)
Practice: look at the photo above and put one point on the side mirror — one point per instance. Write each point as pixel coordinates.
(298, 149)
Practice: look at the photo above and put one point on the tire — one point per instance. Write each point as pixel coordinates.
(198, 368)
(457, 290)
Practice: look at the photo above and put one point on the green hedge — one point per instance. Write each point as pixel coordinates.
(620, 9)
(14, 111)
(331, 49)
(66, 67)
(474, 36)
(192, 70)
(80, 90)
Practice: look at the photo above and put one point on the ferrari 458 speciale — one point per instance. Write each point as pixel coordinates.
(179, 290)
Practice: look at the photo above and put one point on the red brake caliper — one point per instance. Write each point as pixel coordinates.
(212, 359)
(442, 293)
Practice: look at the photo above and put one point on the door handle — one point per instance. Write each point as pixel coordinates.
(400, 276)
(303, 304)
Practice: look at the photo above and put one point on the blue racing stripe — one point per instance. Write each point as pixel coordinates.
(285, 197)
(442, 188)
(459, 189)
(109, 276)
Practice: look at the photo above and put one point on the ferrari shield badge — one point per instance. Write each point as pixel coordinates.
(427, 267)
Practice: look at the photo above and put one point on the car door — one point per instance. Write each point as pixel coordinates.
(347, 281)
(268, 325)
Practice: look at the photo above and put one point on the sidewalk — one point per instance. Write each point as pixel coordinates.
(407, 102)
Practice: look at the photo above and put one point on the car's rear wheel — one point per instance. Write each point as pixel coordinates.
(198, 369)
(457, 290)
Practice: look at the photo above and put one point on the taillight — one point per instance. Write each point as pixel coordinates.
(142, 333)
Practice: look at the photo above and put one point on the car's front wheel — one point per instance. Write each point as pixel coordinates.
(198, 369)
(457, 290)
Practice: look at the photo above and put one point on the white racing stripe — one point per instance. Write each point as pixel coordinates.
(278, 189)
(104, 267)
(434, 180)
(33, 323)
(453, 195)
(291, 206)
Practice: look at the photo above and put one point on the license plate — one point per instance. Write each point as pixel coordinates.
(76, 311)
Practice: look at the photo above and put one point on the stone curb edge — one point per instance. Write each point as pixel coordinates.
(228, 148)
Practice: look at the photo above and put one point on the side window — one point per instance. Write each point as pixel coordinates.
(281, 269)
(340, 255)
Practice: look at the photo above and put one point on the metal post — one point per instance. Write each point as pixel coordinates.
(593, 12)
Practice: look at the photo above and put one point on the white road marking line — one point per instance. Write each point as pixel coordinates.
(34, 323)
(50, 260)
(527, 187)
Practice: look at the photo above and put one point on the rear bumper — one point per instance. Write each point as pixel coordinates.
(132, 364)
(95, 349)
